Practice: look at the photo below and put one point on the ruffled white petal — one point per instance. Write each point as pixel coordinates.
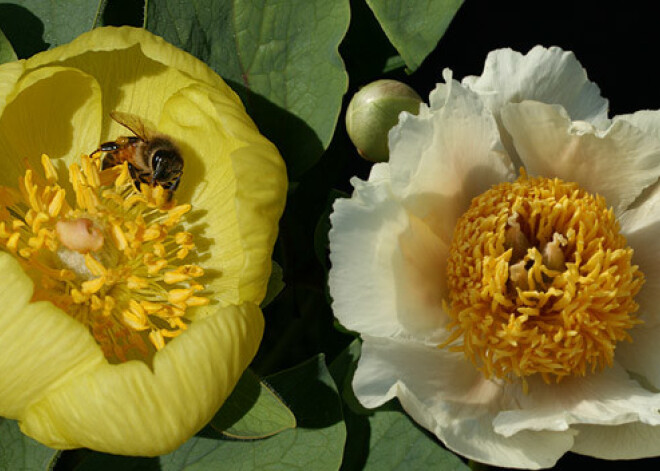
(444, 393)
(547, 75)
(420, 270)
(641, 355)
(363, 243)
(617, 163)
(609, 397)
(446, 155)
(646, 120)
(388, 276)
(641, 233)
(621, 442)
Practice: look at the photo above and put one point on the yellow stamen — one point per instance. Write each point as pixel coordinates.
(93, 286)
(540, 281)
(177, 296)
(156, 337)
(109, 255)
(49, 170)
(136, 282)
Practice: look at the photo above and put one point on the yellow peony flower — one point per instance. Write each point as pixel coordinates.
(126, 321)
(512, 314)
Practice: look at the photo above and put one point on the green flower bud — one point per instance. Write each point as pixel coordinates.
(373, 111)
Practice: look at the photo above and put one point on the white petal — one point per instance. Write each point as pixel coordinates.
(547, 75)
(643, 216)
(363, 242)
(388, 268)
(617, 163)
(429, 371)
(646, 120)
(620, 442)
(609, 397)
(645, 211)
(449, 153)
(641, 355)
(443, 392)
(420, 269)
(644, 239)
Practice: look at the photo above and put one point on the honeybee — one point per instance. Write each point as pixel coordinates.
(152, 157)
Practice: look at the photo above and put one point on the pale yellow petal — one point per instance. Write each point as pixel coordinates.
(137, 71)
(54, 110)
(236, 179)
(9, 75)
(41, 346)
(130, 409)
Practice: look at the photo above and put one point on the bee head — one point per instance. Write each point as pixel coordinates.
(166, 163)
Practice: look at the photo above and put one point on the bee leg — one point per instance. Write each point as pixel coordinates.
(136, 176)
(105, 148)
(109, 147)
(171, 187)
(109, 161)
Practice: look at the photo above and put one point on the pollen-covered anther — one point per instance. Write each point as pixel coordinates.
(108, 255)
(540, 281)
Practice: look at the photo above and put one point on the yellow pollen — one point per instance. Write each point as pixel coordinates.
(108, 255)
(540, 282)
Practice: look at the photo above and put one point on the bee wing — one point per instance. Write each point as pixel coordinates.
(133, 123)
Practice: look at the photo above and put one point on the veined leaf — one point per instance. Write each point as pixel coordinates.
(7, 53)
(36, 25)
(253, 411)
(281, 57)
(414, 28)
(316, 444)
(20, 452)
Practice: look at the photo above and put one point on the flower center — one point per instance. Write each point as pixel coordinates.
(540, 281)
(110, 256)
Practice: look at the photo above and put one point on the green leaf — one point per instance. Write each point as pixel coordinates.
(316, 444)
(395, 442)
(385, 438)
(20, 452)
(275, 284)
(36, 25)
(413, 30)
(7, 53)
(281, 57)
(253, 411)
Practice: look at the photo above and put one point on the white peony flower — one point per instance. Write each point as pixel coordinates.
(505, 308)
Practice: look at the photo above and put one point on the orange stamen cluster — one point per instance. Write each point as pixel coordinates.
(541, 281)
(109, 255)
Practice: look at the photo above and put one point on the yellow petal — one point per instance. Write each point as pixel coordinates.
(137, 71)
(236, 175)
(130, 409)
(9, 75)
(53, 110)
(41, 346)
